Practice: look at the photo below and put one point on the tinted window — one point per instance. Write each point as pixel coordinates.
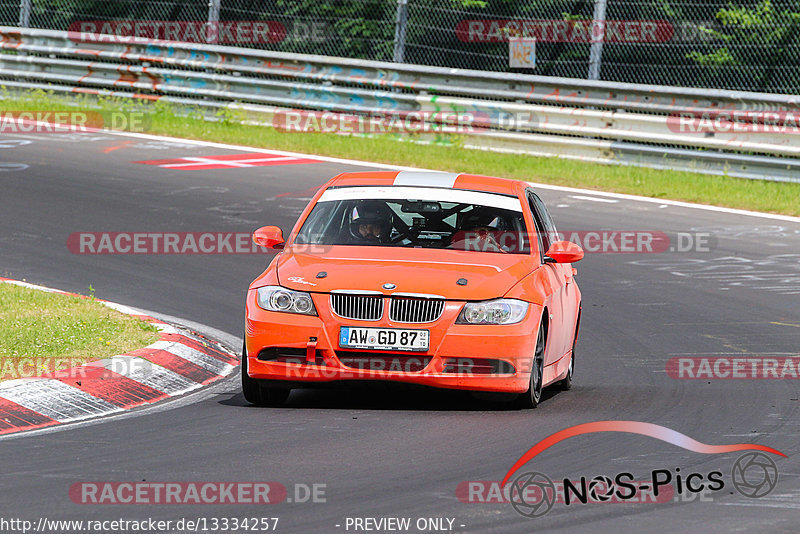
(546, 228)
(415, 223)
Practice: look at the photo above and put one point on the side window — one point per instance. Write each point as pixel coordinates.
(544, 223)
(540, 233)
(319, 221)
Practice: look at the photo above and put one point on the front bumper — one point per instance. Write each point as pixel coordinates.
(315, 340)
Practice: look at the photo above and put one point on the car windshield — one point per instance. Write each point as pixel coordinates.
(417, 217)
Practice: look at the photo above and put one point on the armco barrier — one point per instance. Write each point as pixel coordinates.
(749, 135)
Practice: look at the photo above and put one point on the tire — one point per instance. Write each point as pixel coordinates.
(257, 393)
(532, 397)
(566, 382)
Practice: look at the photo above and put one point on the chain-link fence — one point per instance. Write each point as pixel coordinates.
(732, 44)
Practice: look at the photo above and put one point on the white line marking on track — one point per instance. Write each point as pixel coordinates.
(14, 143)
(13, 167)
(594, 199)
(244, 164)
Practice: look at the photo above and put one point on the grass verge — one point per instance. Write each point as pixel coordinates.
(758, 195)
(43, 332)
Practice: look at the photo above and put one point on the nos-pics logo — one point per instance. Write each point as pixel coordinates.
(533, 494)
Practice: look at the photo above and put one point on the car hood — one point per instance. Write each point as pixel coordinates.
(429, 271)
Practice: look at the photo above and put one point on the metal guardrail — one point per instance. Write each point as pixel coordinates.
(590, 120)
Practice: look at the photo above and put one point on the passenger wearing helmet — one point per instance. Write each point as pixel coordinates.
(370, 223)
(482, 220)
(477, 230)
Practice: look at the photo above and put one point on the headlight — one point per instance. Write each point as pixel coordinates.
(499, 311)
(280, 299)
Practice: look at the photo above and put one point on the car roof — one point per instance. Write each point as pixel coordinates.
(471, 182)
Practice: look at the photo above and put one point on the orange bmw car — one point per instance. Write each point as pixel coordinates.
(447, 280)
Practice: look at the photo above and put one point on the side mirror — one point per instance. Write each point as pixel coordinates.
(563, 252)
(269, 237)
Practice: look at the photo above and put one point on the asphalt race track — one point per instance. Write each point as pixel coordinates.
(386, 453)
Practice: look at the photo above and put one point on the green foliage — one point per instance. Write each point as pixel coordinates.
(736, 44)
(229, 116)
(352, 27)
(40, 325)
(469, 3)
(757, 37)
(721, 56)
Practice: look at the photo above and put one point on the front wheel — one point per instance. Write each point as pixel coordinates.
(258, 394)
(531, 398)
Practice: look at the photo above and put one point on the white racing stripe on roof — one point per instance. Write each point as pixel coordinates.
(492, 200)
(433, 179)
(55, 399)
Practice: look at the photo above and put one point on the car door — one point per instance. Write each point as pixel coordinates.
(558, 342)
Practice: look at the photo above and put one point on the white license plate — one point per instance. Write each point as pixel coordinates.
(353, 337)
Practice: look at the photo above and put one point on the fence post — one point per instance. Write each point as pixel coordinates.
(213, 11)
(213, 21)
(24, 13)
(596, 52)
(400, 31)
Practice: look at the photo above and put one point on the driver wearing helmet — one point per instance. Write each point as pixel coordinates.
(370, 223)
